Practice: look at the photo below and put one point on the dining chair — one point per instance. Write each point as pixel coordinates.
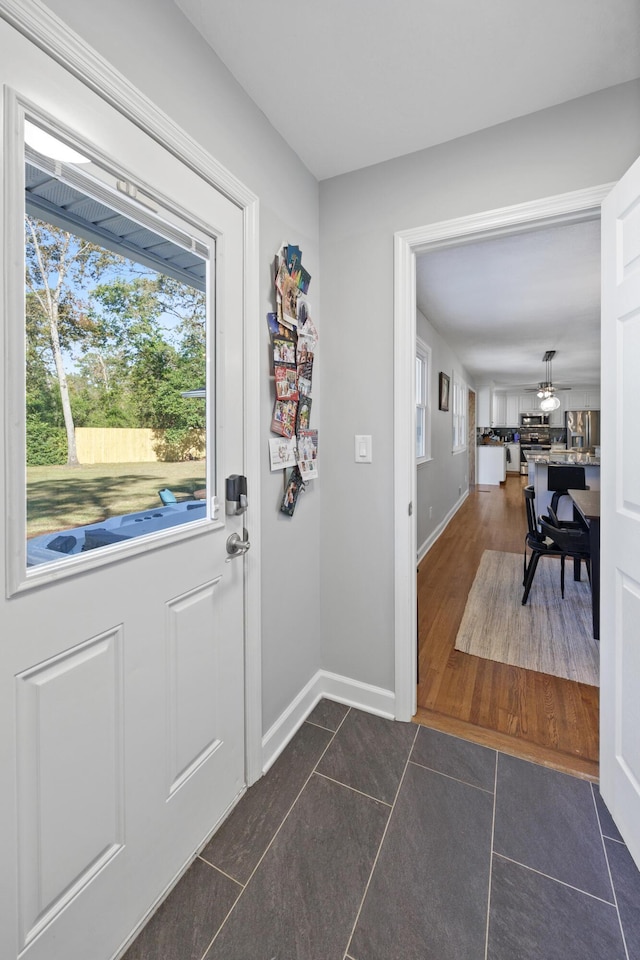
(573, 543)
(561, 479)
(537, 543)
(533, 532)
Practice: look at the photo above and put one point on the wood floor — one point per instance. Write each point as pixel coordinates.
(533, 715)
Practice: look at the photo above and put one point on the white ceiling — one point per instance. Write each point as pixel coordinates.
(349, 83)
(502, 303)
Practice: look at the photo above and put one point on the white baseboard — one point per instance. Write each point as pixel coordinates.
(353, 693)
(423, 550)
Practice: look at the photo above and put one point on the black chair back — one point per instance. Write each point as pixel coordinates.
(530, 504)
(562, 479)
(565, 478)
(572, 542)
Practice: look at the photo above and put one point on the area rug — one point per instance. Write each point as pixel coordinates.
(549, 634)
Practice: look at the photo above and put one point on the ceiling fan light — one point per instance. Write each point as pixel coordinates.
(549, 403)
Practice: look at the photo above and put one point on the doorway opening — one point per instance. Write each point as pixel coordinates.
(568, 208)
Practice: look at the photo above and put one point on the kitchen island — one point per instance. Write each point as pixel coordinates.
(538, 467)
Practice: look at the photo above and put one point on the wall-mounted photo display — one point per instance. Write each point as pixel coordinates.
(443, 397)
(308, 454)
(294, 339)
(283, 421)
(286, 377)
(293, 487)
(284, 351)
(283, 453)
(304, 414)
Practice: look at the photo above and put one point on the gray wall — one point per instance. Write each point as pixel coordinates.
(157, 49)
(442, 481)
(579, 144)
(348, 559)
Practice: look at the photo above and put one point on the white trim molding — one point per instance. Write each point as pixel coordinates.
(424, 548)
(353, 693)
(563, 208)
(48, 32)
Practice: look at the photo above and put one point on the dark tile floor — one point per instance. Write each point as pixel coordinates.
(374, 840)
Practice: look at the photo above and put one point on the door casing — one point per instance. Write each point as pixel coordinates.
(563, 208)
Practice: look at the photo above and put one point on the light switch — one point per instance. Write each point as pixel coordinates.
(363, 448)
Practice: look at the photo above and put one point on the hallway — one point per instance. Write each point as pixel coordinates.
(371, 839)
(540, 717)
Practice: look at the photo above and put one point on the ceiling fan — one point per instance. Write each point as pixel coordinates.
(546, 389)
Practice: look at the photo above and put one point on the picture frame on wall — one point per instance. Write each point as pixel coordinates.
(443, 397)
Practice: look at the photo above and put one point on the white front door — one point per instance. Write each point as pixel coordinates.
(121, 669)
(620, 508)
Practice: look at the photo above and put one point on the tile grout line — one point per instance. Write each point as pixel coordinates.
(228, 914)
(347, 955)
(562, 883)
(218, 870)
(465, 783)
(339, 783)
(493, 832)
(606, 859)
(314, 723)
(271, 842)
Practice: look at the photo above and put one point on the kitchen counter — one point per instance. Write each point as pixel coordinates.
(492, 463)
(560, 457)
(538, 469)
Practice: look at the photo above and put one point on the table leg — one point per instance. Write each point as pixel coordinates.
(594, 539)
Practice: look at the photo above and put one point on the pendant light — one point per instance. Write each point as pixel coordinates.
(548, 399)
(549, 404)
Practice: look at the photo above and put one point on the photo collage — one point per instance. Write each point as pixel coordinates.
(293, 345)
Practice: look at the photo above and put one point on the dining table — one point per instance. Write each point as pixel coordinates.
(586, 505)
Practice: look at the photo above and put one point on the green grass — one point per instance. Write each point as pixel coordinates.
(62, 497)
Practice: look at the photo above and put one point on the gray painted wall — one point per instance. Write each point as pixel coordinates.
(158, 50)
(343, 592)
(579, 144)
(443, 480)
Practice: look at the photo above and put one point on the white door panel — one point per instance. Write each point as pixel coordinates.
(620, 507)
(121, 686)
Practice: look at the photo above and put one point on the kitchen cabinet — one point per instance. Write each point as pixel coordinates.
(513, 457)
(483, 406)
(499, 409)
(582, 399)
(527, 403)
(513, 413)
(556, 417)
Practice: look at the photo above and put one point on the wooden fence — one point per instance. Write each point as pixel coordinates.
(123, 445)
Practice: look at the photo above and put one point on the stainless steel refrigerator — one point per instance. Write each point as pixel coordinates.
(583, 429)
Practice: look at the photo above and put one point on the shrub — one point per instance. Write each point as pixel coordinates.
(46, 444)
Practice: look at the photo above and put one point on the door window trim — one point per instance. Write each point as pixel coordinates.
(19, 577)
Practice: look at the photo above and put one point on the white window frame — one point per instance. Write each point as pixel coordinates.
(459, 403)
(20, 577)
(423, 401)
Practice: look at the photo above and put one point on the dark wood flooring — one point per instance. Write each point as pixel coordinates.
(533, 715)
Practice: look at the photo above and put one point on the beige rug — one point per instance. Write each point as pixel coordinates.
(549, 634)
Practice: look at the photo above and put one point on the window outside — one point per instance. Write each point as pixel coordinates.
(423, 404)
(116, 340)
(459, 393)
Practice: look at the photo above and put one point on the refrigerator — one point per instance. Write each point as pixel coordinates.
(583, 429)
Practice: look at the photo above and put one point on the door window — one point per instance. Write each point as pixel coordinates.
(117, 349)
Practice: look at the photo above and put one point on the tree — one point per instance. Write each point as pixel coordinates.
(58, 265)
(110, 343)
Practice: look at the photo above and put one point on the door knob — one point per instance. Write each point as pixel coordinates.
(237, 546)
